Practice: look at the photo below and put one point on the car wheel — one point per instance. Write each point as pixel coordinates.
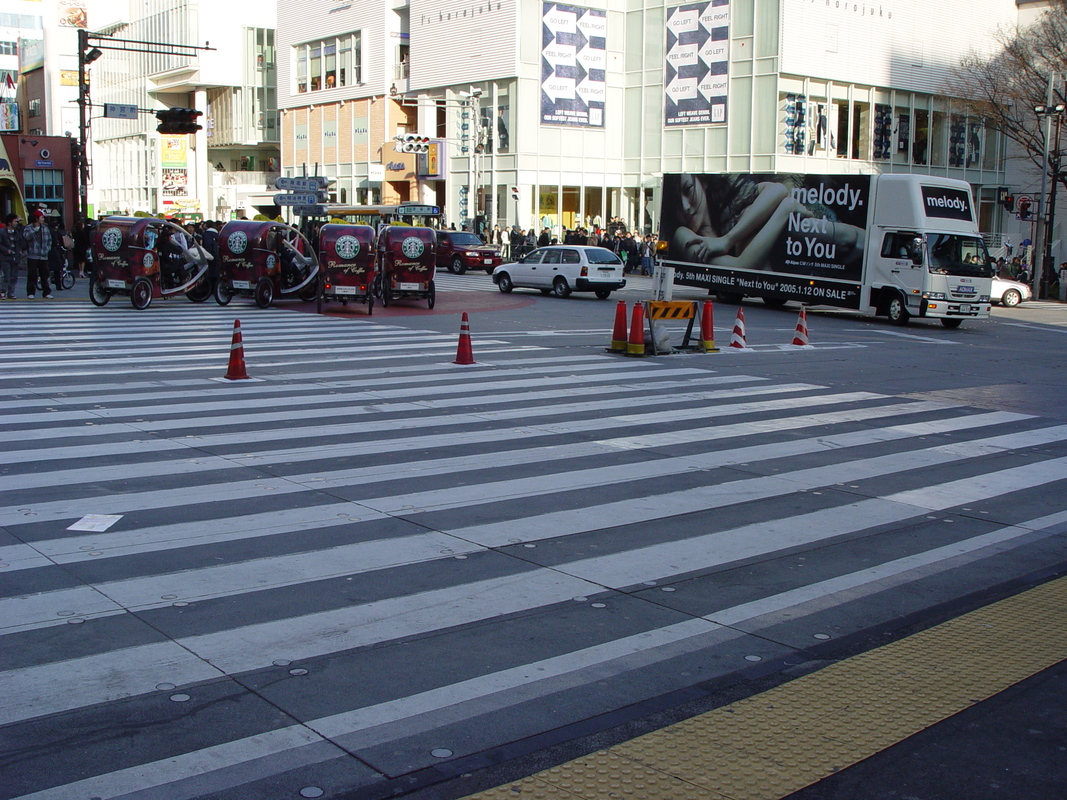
(560, 287)
(223, 292)
(141, 294)
(264, 292)
(98, 292)
(897, 311)
(1012, 297)
(490, 271)
(951, 322)
(546, 292)
(457, 267)
(603, 294)
(503, 283)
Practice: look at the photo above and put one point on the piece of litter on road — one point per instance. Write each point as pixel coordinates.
(95, 522)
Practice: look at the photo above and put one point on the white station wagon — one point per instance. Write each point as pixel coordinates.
(562, 269)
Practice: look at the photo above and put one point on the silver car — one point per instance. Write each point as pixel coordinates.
(1010, 293)
(562, 269)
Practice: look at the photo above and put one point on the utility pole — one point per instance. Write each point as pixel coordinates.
(90, 48)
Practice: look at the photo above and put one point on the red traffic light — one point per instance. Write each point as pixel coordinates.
(1024, 208)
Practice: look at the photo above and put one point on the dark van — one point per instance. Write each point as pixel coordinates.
(459, 251)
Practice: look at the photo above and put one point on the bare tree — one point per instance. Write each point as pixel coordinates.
(1005, 88)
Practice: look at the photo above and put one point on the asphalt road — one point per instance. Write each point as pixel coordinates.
(370, 572)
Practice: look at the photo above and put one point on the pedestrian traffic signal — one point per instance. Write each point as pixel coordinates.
(514, 192)
(411, 143)
(1024, 208)
(178, 120)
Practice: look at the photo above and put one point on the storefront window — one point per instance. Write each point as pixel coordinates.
(328, 63)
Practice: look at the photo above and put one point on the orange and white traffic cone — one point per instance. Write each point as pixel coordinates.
(618, 335)
(737, 338)
(464, 353)
(635, 346)
(707, 329)
(236, 370)
(801, 336)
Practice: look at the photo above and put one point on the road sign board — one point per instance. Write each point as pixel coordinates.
(120, 111)
(310, 211)
(300, 184)
(296, 199)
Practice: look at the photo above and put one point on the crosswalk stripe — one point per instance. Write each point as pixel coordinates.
(365, 524)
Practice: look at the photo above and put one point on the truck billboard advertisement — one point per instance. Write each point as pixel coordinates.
(793, 236)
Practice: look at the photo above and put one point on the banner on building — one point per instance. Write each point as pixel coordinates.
(798, 229)
(72, 14)
(9, 116)
(31, 54)
(696, 79)
(573, 65)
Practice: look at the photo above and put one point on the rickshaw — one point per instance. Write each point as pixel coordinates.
(262, 259)
(146, 258)
(347, 260)
(406, 259)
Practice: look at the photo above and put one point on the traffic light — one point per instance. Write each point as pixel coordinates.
(178, 120)
(1024, 208)
(411, 143)
(1007, 199)
(514, 192)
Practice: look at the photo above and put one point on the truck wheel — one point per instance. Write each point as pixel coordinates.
(897, 311)
(774, 302)
(951, 323)
(731, 298)
(456, 267)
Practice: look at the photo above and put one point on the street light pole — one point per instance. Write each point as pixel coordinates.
(1045, 218)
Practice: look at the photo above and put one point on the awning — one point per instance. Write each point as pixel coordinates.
(7, 179)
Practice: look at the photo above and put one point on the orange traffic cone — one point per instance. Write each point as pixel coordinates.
(464, 353)
(636, 344)
(737, 338)
(236, 370)
(707, 329)
(801, 335)
(618, 335)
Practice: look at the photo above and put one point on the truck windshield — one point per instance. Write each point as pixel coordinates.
(953, 254)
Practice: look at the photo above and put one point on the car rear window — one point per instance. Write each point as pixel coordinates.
(598, 255)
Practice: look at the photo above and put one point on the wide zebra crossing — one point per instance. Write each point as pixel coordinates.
(367, 577)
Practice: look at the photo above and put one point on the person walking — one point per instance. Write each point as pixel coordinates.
(38, 238)
(10, 250)
(81, 246)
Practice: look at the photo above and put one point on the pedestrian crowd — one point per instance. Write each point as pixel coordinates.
(42, 247)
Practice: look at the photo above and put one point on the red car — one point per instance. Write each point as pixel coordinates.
(459, 251)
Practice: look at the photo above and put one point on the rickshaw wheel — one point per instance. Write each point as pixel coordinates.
(318, 304)
(264, 292)
(311, 291)
(98, 293)
(431, 296)
(370, 305)
(223, 292)
(141, 294)
(200, 291)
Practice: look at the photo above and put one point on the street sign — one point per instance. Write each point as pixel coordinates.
(411, 208)
(300, 184)
(296, 199)
(310, 211)
(120, 111)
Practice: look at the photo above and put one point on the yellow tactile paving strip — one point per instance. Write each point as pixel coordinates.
(767, 746)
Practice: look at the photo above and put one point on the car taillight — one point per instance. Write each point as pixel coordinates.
(585, 272)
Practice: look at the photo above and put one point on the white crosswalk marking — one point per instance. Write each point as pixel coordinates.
(371, 554)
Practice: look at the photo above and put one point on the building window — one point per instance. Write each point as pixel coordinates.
(43, 184)
(9, 48)
(328, 63)
(34, 107)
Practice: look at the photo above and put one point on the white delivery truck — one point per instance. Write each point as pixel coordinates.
(899, 245)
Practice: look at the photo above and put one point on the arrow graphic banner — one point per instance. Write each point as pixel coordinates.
(573, 63)
(696, 67)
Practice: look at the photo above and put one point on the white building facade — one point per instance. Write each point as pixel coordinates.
(581, 108)
(229, 166)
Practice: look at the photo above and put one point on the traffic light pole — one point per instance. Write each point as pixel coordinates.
(90, 48)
